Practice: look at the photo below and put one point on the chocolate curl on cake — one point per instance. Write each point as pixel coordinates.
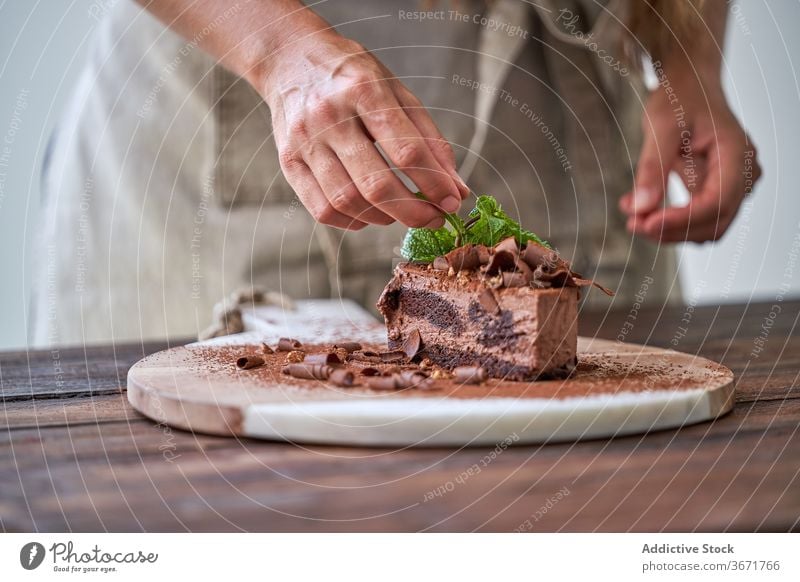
(329, 358)
(249, 362)
(508, 245)
(286, 344)
(467, 258)
(470, 375)
(349, 347)
(441, 264)
(501, 261)
(265, 349)
(370, 371)
(307, 371)
(536, 255)
(412, 344)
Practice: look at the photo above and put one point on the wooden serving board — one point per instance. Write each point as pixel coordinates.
(618, 389)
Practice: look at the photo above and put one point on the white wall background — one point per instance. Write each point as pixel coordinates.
(42, 46)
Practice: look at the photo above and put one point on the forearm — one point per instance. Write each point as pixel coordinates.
(247, 37)
(700, 57)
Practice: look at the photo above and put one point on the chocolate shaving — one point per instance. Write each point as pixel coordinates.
(383, 382)
(412, 344)
(466, 258)
(523, 269)
(370, 371)
(349, 347)
(401, 381)
(484, 255)
(470, 375)
(508, 245)
(329, 358)
(489, 302)
(440, 264)
(308, 371)
(249, 362)
(286, 344)
(514, 279)
(501, 261)
(413, 379)
(342, 377)
(536, 255)
(581, 282)
(266, 349)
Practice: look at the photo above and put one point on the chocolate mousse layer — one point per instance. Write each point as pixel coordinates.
(516, 332)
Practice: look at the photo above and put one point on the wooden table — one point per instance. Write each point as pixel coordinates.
(74, 456)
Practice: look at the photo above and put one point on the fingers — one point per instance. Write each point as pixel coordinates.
(439, 146)
(339, 188)
(712, 206)
(308, 189)
(389, 126)
(378, 184)
(660, 149)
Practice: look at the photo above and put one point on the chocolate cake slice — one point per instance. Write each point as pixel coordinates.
(511, 310)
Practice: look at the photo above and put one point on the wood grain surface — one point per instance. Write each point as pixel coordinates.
(75, 457)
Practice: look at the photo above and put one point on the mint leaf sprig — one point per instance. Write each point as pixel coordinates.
(486, 224)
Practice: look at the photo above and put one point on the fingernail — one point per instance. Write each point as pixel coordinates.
(451, 204)
(642, 198)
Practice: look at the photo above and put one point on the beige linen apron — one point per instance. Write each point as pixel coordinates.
(163, 191)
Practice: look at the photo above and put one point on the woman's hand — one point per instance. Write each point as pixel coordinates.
(696, 136)
(331, 103)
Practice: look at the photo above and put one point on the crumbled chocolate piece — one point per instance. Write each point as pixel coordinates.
(249, 362)
(266, 349)
(489, 302)
(329, 358)
(470, 375)
(342, 377)
(412, 344)
(295, 356)
(349, 347)
(308, 371)
(286, 344)
(341, 353)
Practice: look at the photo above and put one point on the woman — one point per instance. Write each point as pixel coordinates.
(201, 127)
